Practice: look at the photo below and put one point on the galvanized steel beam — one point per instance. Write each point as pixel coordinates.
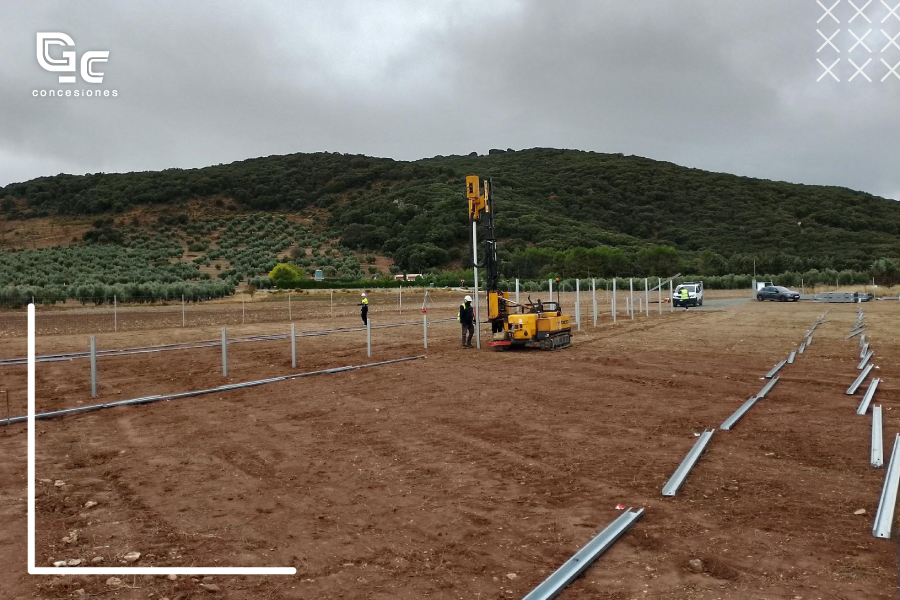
(767, 388)
(877, 458)
(867, 398)
(854, 333)
(863, 350)
(791, 357)
(578, 564)
(862, 377)
(885, 515)
(865, 360)
(802, 348)
(681, 473)
(775, 369)
(740, 412)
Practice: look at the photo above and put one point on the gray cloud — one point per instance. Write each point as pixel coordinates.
(724, 86)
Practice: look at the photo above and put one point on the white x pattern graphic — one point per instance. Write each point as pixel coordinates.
(828, 11)
(890, 70)
(828, 41)
(859, 40)
(891, 40)
(859, 70)
(828, 69)
(859, 11)
(887, 6)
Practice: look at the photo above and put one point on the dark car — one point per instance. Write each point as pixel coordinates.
(777, 293)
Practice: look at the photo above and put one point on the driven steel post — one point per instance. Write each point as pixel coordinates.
(671, 304)
(517, 290)
(224, 352)
(93, 367)
(369, 337)
(425, 329)
(631, 294)
(647, 296)
(551, 288)
(182, 310)
(659, 294)
(614, 302)
(115, 314)
(578, 303)
(290, 316)
(243, 313)
(594, 299)
(293, 346)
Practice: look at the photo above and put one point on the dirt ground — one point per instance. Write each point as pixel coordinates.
(466, 474)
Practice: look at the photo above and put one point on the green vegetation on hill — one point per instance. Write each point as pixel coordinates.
(563, 212)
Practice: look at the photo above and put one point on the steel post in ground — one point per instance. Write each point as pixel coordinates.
(332, 304)
(671, 304)
(369, 337)
(517, 290)
(551, 287)
(631, 295)
(224, 352)
(425, 329)
(401, 298)
(647, 296)
(182, 310)
(293, 346)
(659, 294)
(290, 316)
(594, 299)
(613, 302)
(93, 367)
(243, 312)
(115, 313)
(578, 304)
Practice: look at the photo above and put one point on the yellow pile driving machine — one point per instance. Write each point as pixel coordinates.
(540, 323)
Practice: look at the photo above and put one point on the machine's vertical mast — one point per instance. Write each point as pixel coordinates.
(477, 204)
(475, 269)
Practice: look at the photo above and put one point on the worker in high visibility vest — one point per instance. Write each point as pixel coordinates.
(466, 318)
(684, 297)
(364, 311)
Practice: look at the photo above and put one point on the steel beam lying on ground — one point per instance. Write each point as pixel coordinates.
(681, 473)
(802, 348)
(740, 412)
(885, 515)
(863, 350)
(221, 388)
(792, 357)
(578, 564)
(870, 393)
(767, 388)
(862, 377)
(775, 369)
(854, 333)
(877, 447)
(865, 360)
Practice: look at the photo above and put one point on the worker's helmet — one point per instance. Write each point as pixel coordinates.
(363, 294)
(468, 298)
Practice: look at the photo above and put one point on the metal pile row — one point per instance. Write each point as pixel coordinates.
(675, 482)
(884, 517)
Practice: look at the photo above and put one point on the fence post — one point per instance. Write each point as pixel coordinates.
(425, 328)
(290, 316)
(182, 310)
(293, 346)
(115, 314)
(93, 367)
(224, 352)
(368, 337)
(551, 288)
(594, 299)
(517, 290)
(243, 318)
(631, 295)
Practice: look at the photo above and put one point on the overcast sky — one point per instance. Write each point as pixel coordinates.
(723, 85)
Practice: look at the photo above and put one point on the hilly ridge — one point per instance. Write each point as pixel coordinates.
(546, 198)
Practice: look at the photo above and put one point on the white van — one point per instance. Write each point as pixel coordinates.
(695, 294)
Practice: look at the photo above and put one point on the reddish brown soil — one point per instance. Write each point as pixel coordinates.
(468, 474)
